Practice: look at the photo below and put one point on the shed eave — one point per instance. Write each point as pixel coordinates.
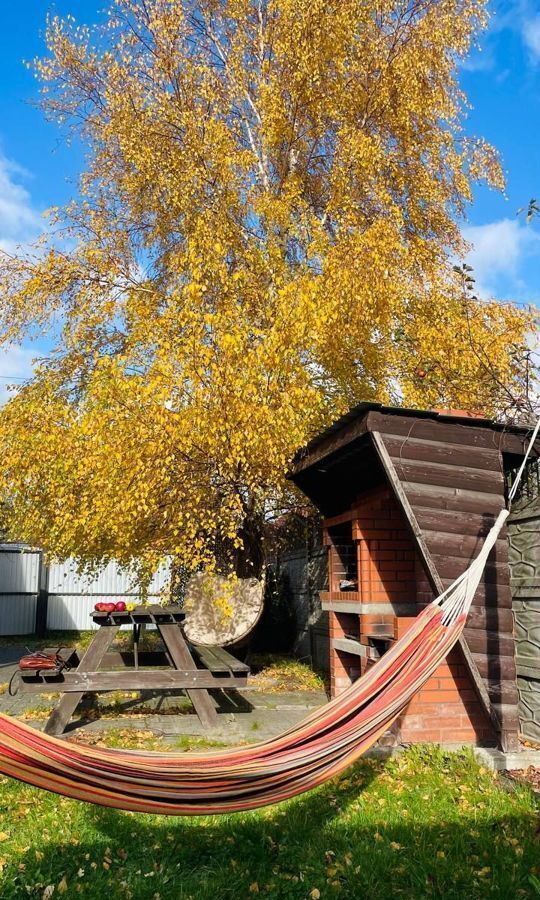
(363, 418)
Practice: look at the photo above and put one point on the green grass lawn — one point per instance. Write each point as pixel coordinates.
(425, 824)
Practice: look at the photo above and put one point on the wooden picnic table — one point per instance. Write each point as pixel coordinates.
(189, 667)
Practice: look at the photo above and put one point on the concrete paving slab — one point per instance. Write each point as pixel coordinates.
(248, 715)
(230, 729)
(499, 761)
(9, 657)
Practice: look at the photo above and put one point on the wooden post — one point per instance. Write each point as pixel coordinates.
(42, 604)
(182, 659)
(42, 600)
(91, 660)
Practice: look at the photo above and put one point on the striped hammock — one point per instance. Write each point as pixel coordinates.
(320, 747)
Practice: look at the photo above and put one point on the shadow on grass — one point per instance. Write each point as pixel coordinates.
(342, 841)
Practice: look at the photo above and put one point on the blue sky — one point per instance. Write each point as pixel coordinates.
(502, 81)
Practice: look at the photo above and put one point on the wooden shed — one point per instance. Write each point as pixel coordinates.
(407, 497)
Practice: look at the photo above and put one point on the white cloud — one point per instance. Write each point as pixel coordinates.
(496, 246)
(479, 60)
(530, 31)
(20, 222)
(518, 16)
(15, 367)
(498, 250)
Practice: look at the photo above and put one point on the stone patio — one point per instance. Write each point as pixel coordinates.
(249, 715)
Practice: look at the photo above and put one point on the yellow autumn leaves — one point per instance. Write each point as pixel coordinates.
(264, 235)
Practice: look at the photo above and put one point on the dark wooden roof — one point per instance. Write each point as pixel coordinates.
(365, 417)
(448, 473)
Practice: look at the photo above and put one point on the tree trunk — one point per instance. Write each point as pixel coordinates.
(249, 559)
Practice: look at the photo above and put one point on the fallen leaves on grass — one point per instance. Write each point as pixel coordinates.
(125, 738)
(278, 674)
(305, 849)
(530, 776)
(35, 713)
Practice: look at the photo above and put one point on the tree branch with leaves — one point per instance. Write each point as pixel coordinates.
(264, 234)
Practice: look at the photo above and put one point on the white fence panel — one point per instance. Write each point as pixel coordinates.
(17, 613)
(110, 581)
(19, 571)
(70, 613)
(71, 595)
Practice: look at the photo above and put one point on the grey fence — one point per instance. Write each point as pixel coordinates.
(35, 597)
(524, 534)
(21, 575)
(306, 572)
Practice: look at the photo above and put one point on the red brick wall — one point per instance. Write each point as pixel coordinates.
(386, 552)
(447, 709)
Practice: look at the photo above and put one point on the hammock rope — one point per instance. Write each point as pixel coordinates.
(320, 747)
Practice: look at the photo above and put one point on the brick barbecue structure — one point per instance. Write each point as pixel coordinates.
(407, 497)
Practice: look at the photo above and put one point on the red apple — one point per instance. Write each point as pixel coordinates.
(120, 606)
(108, 607)
(99, 606)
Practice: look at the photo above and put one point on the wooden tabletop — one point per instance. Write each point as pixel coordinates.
(152, 614)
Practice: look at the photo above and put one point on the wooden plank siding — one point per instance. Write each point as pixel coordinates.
(448, 474)
(481, 435)
(453, 481)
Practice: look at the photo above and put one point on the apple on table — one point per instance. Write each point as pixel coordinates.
(119, 606)
(105, 607)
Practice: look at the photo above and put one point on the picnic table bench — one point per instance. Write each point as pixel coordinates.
(180, 666)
